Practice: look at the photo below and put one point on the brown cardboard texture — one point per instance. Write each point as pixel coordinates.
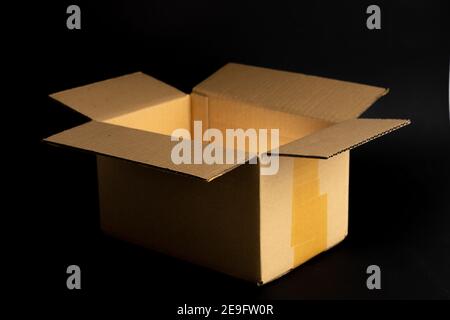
(228, 217)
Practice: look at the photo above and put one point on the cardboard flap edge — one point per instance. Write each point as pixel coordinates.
(340, 137)
(138, 146)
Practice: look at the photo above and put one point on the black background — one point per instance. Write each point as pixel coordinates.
(399, 185)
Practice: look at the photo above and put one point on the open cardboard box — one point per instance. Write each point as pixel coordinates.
(227, 217)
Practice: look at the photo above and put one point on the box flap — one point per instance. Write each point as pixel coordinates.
(138, 146)
(340, 137)
(117, 96)
(312, 96)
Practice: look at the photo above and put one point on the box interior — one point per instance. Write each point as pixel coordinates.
(167, 116)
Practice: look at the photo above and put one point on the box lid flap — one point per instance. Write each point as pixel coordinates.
(117, 96)
(340, 137)
(312, 96)
(139, 146)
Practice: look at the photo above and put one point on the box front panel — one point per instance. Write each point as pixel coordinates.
(214, 224)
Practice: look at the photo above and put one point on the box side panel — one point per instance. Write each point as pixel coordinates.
(276, 221)
(226, 113)
(213, 224)
(161, 118)
(309, 211)
(335, 183)
(311, 96)
(304, 211)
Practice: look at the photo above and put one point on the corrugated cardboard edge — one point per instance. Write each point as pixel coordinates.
(72, 138)
(407, 122)
(300, 147)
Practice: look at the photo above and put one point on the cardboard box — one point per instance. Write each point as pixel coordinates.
(226, 217)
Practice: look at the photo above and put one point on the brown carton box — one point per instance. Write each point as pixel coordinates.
(228, 217)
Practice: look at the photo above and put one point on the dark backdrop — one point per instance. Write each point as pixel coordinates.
(399, 185)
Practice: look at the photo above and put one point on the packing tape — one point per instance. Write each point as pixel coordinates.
(309, 211)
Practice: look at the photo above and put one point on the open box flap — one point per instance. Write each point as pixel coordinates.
(117, 96)
(138, 146)
(340, 137)
(311, 96)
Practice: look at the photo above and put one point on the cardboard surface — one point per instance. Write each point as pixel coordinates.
(227, 113)
(341, 137)
(276, 196)
(117, 96)
(309, 211)
(296, 93)
(199, 110)
(304, 211)
(139, 146)
(334, 182)
(213, 224)
(161, 118)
